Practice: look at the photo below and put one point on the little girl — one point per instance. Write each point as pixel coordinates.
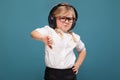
(60, 41)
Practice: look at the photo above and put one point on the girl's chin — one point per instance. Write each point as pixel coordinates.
(65, 30)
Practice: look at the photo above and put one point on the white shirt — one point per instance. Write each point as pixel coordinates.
(61, 56)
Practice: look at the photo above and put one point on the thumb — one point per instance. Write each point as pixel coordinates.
(49, 41)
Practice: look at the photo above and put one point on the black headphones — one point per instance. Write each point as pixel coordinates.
(52, 19)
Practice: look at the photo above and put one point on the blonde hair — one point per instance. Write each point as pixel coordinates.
(61, 34)
(62, 10)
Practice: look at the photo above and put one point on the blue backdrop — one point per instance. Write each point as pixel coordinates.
(22, 58)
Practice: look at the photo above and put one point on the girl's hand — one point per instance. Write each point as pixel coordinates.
(75, 69)
(48, 41)
(44, 38)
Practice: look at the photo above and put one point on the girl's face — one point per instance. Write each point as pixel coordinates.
(65, 21)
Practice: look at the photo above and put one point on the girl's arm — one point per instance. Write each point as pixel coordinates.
(44, 38)
(36, 35)
(79, 61)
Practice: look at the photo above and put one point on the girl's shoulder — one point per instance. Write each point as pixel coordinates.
(48, 28)
(77, 36)
(45, 29)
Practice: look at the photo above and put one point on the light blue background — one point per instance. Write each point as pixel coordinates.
(22, 58)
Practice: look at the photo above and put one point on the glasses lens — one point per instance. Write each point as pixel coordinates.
(70, 19)
(64, 18)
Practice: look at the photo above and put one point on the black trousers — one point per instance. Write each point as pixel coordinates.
(59, 74)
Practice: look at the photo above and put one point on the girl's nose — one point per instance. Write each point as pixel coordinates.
(66, 21)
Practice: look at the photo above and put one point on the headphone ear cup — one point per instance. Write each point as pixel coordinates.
(52, 18)
(52, 21)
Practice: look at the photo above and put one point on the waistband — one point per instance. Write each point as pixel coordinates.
(58, 69)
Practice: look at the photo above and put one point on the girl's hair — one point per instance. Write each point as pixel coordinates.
(59, 9)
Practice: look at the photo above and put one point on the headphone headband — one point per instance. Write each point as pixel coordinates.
(51, 17)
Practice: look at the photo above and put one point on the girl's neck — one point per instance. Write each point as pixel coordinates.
(61, 34)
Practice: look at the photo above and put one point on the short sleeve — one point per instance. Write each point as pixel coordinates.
(44, 30)
(80, 46)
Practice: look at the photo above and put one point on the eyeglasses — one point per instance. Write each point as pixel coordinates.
(64, 18)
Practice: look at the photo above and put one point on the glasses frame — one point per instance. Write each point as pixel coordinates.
(64, 19)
